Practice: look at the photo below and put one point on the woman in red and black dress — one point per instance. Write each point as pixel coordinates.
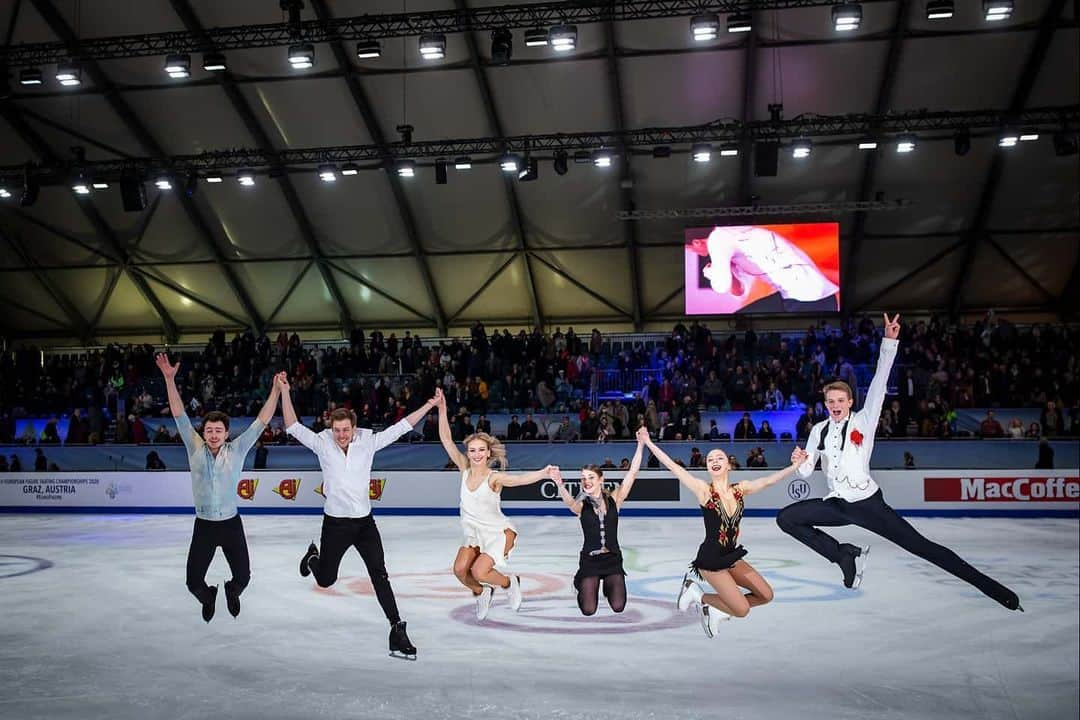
(719, 560)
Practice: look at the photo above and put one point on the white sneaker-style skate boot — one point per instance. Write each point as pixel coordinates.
(483, 602)
(689, 594)
(514, 591)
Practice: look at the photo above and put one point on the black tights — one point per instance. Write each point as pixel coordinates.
(588, 595)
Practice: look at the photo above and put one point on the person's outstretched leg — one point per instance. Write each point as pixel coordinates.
(799, 519)
(877, 516)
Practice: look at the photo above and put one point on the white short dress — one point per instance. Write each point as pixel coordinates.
(482, 521)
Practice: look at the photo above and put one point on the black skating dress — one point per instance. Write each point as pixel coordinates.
(600, 554)
(718, 551)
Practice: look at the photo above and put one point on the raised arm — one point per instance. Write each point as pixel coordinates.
(267, 412)
(635, 465)
(456, 456)
(501, 479)
(564, 494)
(293, 426)
(421, 412)
(749, 487)
(697, 486)
(176, 405)
(875, 394)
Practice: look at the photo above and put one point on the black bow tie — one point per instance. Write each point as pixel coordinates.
(843, 436)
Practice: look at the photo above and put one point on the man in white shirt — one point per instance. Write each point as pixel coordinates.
(844, 442)
(345, 455)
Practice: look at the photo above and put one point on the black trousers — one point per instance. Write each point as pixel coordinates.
(206, 537)
(875, 515)
(338, 534)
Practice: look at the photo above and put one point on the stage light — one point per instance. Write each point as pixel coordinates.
(868, 144)
(302, 56)
(530, 170)
(245, 178)
(368, 49)
(601, 158)
(905, 144)
(406, 168)
(563, 38)
(68, 74)
(560, 163)
(80, 185)
(213, 177)
(704, 27)
(701, 152)
(99, 185)
(739, 23)
(349, 169)
(995, 10)
(536, 37)
(846, 17)
(178, 66)
(1008, 138)
(162, 182)
(1028, 136)
(30, 76)
(433, 46)
(502, 46)
(939, 9)
(214, 62)
(962, 142)
(801, 148)
(510, 163)
(463, 163)
(328, 173)
(729, 150)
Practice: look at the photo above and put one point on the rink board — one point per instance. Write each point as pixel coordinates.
(998, 493)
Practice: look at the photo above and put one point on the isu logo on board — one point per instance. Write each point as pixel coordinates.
(246, 488)
(1002, 489)
(288, 488)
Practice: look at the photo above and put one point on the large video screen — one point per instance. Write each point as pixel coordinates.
(763, 269)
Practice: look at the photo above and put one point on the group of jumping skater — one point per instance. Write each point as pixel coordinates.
(720, 584)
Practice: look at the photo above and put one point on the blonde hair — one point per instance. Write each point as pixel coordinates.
(498, 450)
(840, 386)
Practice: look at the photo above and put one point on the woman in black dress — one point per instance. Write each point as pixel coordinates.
(601, 559)
(719, 560)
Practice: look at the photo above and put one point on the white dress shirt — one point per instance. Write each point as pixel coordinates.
(346, 476)
(847, 464)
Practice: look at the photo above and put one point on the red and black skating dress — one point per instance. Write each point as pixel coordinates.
(718, 551)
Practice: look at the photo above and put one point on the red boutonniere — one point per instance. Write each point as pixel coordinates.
(856, 438)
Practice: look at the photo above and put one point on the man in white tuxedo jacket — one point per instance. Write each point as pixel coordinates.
(844, 442)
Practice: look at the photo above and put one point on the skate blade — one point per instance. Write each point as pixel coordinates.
(864, 556)
(402, 656)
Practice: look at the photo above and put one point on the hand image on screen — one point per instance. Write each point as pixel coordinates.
(739, 256)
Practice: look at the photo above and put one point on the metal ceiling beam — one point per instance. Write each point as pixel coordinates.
(846, 128)
(242, 108)
(484, 286)
(908, 275)
(371, 123)
(357, 278)
(870, 162)
(626, 175)
(387, 25)
(1024, 85)
(111, 244)
(1050, 297)
(114, 275)
(73, 44)
(513, 203)
(580, 285)
(595, 56)
(79, 326)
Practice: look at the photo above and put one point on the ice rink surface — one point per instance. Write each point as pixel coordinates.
(97, 623)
